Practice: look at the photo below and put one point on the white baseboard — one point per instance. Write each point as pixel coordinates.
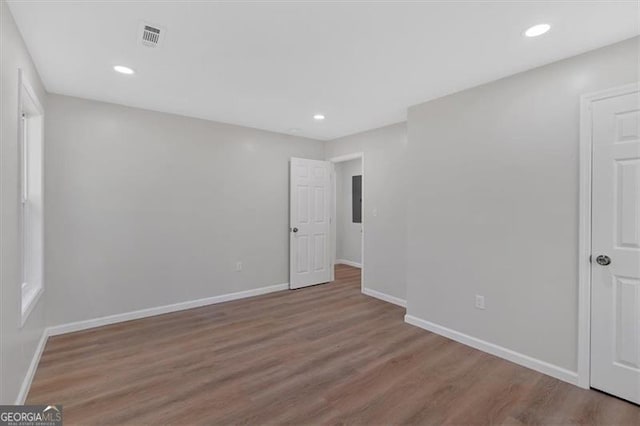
(348, 262)
(143, 313)
(499, 351)
(31, 371)
(385, 297)
(127, 316)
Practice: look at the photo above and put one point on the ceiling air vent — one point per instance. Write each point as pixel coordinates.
(150, 35)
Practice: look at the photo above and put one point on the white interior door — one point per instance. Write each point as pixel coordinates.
(615, 270)
(310, 192)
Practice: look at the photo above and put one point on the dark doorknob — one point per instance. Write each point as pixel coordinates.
(603, 260)
(295, 229)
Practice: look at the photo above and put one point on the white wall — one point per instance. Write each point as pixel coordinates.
(348, 233)
(384, 204)
(493, 204)
(146, 209)
(17, 345)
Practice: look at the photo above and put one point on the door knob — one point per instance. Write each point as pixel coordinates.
(603, 260)
(295, 229)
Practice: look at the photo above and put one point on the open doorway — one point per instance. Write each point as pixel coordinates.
(326, 220)
(348, 212)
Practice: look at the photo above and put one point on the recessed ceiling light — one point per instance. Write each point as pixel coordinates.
(318, 117)
(537, 30)
(123, 70)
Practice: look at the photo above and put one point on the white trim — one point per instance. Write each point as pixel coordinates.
(31, 371)
(27, 304)
(384, 296)
(333, 223)
(499, 351)
(144, 313)
(31, 302)
(128, 316)
(584, 236)
(348, 262)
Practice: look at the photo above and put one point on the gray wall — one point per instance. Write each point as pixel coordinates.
(17, 345)
(493, 205)
(147, 209)
(348, 233)
(384, 204)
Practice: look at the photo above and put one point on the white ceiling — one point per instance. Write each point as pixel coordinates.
(272, 65)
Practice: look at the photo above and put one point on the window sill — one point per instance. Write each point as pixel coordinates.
(29, 301)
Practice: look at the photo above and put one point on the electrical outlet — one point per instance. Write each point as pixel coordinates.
(479, 302)
(238, 266)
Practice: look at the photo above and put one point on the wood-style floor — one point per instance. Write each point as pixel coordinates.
(321, 355)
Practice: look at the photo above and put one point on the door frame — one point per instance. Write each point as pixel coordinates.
(333, 230)
(584, 230)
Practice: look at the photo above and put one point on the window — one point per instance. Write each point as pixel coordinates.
(30, 135)
(356, 187)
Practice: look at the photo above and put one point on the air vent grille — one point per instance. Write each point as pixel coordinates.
(150, 35)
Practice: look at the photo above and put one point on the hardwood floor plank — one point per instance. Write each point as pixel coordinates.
(326, 354)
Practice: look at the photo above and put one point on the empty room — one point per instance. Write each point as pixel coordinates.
(319, 212)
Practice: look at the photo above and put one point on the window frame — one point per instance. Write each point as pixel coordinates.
(30, 132)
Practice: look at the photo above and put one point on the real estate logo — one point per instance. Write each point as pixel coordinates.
(30, 415)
